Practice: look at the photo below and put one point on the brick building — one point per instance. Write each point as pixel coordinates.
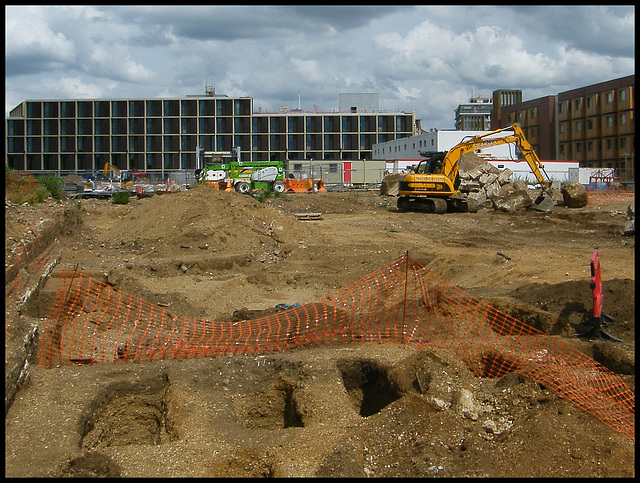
(593, 125)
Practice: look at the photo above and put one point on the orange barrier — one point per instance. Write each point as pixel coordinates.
(291, 185)
(92, 322)
(220, 184)
(304, 185)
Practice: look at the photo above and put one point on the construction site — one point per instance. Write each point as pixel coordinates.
(210, 332)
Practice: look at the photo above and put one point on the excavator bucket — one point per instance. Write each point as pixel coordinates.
(544, 202)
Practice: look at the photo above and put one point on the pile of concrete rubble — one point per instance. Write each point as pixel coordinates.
(493, 188)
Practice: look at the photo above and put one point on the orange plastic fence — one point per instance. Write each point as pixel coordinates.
(599, 197)
(92, 322)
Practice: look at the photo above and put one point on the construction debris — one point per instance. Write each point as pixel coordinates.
(490, 187)
(574, 195)
(630, 224)
(389, 186)
(308, 216)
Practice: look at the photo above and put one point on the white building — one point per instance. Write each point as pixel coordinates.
(401, 154)
(559, 171)
(436, 140)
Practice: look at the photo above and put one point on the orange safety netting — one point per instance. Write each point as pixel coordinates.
(93, 322)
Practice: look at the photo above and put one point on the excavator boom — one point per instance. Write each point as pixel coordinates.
(110, 167)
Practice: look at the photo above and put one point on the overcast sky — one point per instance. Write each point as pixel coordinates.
(427, 59)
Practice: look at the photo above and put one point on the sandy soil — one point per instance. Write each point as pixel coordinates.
(354, 410)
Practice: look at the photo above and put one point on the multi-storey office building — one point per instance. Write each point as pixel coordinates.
(593, 125)
(474, 115)
(161, 135)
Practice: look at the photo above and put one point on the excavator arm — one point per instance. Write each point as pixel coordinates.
(450, 166)
(109, 167)
(530, 156)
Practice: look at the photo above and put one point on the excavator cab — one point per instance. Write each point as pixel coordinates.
(432, 164)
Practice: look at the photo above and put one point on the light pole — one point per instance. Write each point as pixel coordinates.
(626, 171)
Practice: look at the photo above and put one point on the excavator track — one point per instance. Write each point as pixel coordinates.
(461, 205)
(437, 205)
(426, 205)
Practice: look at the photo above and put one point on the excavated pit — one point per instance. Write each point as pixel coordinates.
(129, 415)
(368, 385)
(496, 366)
(91, 465)
(273, 409)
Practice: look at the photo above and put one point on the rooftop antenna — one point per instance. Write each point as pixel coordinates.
(210, 90)
(299, 108)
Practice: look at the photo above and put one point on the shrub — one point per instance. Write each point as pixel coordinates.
(262, 196)
(120, 197)
(54, 185)
(22, 187)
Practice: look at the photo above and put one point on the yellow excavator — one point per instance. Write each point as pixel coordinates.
(433, 185)
(110, 168)
(122, 176)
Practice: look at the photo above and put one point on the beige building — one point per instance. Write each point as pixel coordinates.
(64, 136)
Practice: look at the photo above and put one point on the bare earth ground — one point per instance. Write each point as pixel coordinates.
(354, 410)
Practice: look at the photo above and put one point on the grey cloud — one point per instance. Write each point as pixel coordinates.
(144, 51)
(604, 30)
(249, 22)
(212, 23)
(493, 71)
(344, 18)
(33, 64)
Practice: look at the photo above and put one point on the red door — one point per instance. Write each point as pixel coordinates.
(346, 176)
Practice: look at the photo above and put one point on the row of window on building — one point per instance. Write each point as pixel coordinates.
(578, 104)
(208, 125)
(118, 144)
(140, 108)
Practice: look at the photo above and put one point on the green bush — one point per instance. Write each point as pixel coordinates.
(36, 195)
(54, 185)
(120, 197)
(262, 196)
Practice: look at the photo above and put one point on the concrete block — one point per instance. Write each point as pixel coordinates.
(505, 176)
(488, 178)
(512, 200)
